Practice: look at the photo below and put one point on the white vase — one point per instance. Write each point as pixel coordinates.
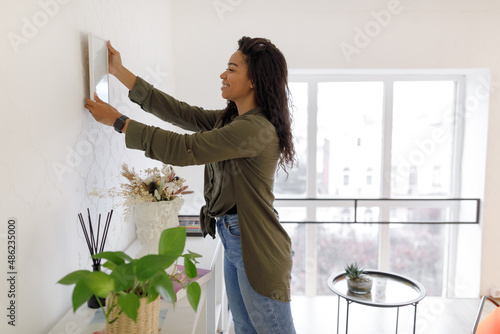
(151, 218)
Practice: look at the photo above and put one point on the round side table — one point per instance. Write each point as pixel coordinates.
(388, 290)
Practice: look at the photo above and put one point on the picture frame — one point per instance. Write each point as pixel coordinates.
(192, 224)
(98, 67)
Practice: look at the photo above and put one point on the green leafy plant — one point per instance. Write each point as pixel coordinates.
(354, 271)
(131, 279)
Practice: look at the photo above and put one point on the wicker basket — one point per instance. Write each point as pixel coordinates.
(147, 319)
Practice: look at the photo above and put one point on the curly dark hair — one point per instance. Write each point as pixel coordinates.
(268, 72)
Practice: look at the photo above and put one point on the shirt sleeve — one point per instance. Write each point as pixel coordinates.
(245, 137)
(171, 110)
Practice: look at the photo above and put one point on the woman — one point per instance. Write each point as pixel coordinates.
(241, 148)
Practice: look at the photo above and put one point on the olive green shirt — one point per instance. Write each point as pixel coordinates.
(240, 161)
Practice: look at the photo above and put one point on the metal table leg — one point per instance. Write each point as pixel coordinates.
(347, 317)
(415, 318)
(338, 313)
(397, 320)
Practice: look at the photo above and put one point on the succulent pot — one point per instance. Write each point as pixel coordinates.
(361, 285)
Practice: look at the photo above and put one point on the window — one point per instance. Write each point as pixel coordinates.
(373, 136)
(436, 177)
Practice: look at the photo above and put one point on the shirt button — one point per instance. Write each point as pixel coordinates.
(276, 296)
(189, 150)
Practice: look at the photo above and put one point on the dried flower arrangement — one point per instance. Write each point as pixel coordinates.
(157, 185)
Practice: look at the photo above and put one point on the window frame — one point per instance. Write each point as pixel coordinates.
(388, 78)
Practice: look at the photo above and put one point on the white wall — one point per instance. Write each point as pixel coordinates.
(396, 34)
(43, 86)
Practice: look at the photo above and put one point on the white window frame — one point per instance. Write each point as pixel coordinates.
(388, 77)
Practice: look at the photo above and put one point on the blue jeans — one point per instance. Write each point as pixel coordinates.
(252, 312)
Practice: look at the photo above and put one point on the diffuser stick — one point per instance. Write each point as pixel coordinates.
(106, 229)
(103, 239)
(82, 223)
(98, 228)
(92, 239)
(95, 241)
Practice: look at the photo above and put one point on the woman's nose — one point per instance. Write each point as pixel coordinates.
(223, 75)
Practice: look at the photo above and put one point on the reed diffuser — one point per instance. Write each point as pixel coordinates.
(95, 242)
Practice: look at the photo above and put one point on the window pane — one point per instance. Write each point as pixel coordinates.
(297, 235)
(417, 211)
(349, 139)
(422, 138)
(335, 214)
(341, 244)
(418, 251)
(295, 184)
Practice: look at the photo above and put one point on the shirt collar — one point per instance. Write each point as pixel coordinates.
(254, 111)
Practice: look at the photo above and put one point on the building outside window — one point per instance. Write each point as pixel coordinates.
(369, 176)
(346, 176)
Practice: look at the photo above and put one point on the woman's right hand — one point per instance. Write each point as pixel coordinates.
(115, 61)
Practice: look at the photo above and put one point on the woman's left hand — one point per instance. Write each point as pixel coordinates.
(101, 111)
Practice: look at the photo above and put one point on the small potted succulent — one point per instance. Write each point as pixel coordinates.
(357, 280)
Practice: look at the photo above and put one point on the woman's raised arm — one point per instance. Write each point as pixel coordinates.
(117, 69)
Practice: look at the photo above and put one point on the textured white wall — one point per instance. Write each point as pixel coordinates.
(53, 152)
(398, 34)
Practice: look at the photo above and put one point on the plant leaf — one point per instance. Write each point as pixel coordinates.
(110, 265)
(193, 292)
(147, 266)
(152, 293)
(81, 293)
(74, 277)
(165, 287)
(117, 258)
(100, 283)
(123, 276)
(190, 268)
(129, 303)
(172, 241)
(192, 256)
